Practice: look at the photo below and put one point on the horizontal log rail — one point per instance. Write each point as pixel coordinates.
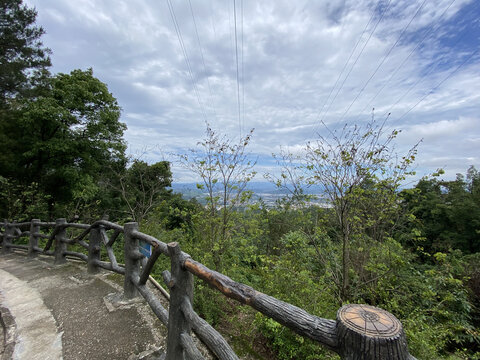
(359, 332)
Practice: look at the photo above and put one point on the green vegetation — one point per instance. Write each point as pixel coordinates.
(414, 252)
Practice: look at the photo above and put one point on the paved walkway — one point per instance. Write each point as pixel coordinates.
(62, 312)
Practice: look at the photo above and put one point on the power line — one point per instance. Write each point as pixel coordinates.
(212, 103)
(243, 68)
(185, 55)
(358, 57)
(346, 63)
(383, 60)
(430, 70)
(439, 84)
(427, 73)
(211, 18)
(427, 33)
(236, 58)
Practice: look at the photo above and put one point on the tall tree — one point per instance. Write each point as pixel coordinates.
(447, 212)
(66, 139)
(225, 170)
(23, 58)
(360, 176)
(143, 186)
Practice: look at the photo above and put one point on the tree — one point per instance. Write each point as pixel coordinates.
(360, 175)
(66, 139)
(142, 186)
(225, 171)
(447, 213)
(23, 58)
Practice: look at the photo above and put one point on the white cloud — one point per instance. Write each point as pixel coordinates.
(292, 56)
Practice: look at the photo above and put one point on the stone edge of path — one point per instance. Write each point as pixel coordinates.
(36, 335)
(9, 328)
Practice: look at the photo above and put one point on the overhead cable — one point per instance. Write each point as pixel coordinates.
(186, 58)
(426, 34)
(358, 57)
(212, 103)
(236, 59)
(383, 60)
(440, 83)
(346, 63)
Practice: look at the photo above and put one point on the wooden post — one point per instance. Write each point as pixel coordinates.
(33, 243)
(370, 333)
(181, 288)
(7, 237)
(132, 261)
(60, 245)
(94, 249)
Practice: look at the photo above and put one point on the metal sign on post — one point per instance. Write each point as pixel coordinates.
(145, 248)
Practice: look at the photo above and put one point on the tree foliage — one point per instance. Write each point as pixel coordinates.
(360, 175)
(225, 170)
(447, 213)
(143, 186)
(65, 139)
(23, 58)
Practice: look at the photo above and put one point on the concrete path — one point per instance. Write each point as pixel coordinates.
(62, 312)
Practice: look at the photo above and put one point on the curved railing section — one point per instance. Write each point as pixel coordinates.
(359, 332)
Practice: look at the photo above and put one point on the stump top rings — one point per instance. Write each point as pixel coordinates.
(369, 320)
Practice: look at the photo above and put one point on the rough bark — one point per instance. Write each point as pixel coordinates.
(132, 263)
(181, 289)
(60, 245)
(367, 332)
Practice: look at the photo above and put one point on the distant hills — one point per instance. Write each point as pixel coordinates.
(265, 191)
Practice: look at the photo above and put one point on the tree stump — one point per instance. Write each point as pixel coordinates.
(366, 332)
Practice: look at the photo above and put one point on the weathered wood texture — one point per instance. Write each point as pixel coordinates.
(147, 269)
(132, 263)
(76, 255)
(7, 237)
(33, 241)
(60, 245)
(154, 304)
(367, 332)
(109, 266)
(209, 336)
(15, 246)
(359, 332)
(94, 250)
(190, 349)
(181, 289)
(303, 323)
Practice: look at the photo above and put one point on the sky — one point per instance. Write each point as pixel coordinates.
(281, 67)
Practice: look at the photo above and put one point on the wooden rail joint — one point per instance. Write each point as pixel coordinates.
(359, 331)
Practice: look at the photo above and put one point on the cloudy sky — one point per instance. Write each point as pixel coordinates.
(280, 67)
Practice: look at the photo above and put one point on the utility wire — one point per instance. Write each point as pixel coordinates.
(426, 34)
(430, 70)
(356, 60)
(439, 84)
(211, 18)
(236, 59)
(243, 68)
(212, 103)
(346, 63)
(427, 73)
(383, 60)
(185, 55)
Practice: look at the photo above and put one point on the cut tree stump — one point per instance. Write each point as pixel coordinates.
(367, 332)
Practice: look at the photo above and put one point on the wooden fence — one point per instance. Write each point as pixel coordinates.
(359, 332)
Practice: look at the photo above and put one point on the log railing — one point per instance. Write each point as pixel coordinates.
(359, 332)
